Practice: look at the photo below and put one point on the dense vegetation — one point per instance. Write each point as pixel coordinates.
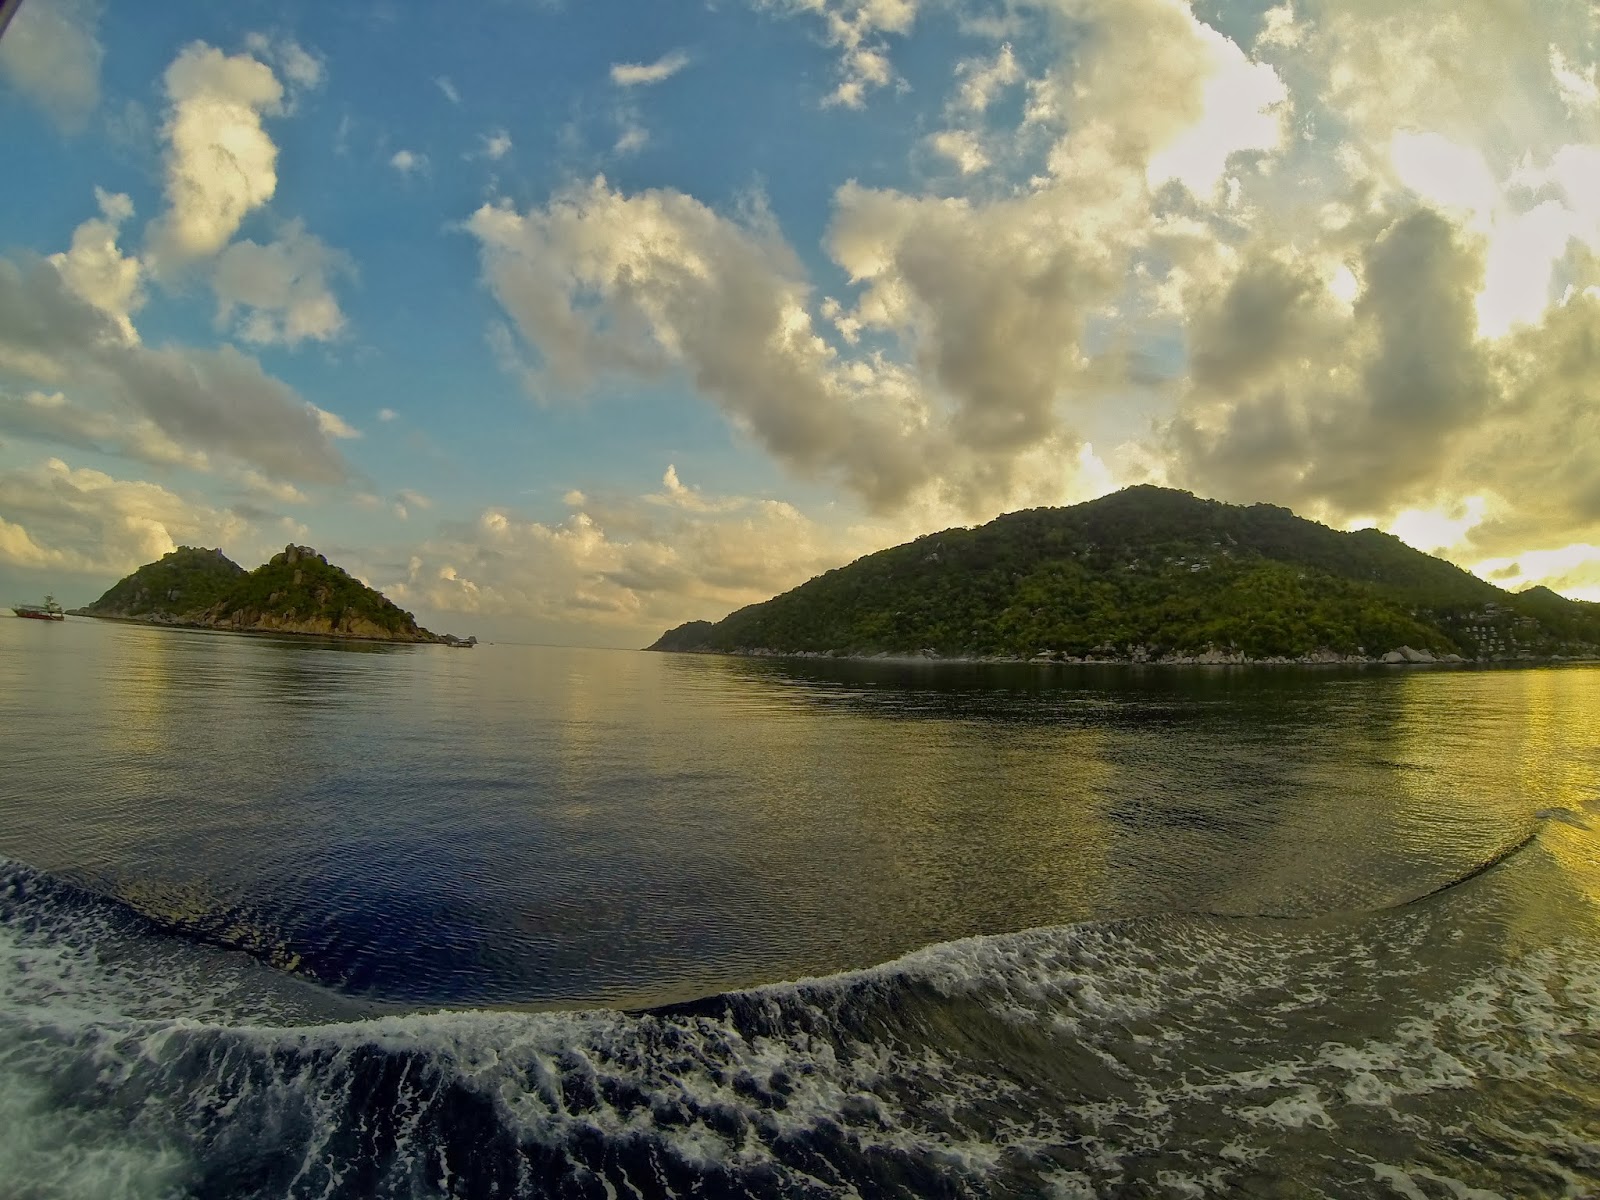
(1151, 571)
(298, 591)
(183, 583)
(300, 586)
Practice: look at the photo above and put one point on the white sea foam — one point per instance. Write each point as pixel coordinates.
(1184, 1031)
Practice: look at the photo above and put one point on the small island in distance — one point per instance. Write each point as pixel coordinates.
(1151, 574)
(298, 591)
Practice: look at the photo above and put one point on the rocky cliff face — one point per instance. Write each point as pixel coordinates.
(247, 620)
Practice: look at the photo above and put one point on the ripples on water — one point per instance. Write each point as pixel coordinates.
(522, 828)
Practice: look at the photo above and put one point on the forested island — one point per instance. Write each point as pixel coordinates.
(1151, 574)
(298, 591)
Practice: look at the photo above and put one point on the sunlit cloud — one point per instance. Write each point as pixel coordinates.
(628, 75)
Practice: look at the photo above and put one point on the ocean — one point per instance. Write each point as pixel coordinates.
(289, 918)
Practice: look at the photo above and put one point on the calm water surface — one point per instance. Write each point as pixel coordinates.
(1141, 931)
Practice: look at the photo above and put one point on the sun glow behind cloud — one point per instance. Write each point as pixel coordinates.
(1525, 238)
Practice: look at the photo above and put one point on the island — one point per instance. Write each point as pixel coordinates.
(298, 591)
(1156, 575)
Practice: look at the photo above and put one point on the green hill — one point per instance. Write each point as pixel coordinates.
(1151, 573)
(298, 591)
(181, 584)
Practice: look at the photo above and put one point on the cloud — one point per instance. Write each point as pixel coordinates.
(1534, 451)
(599, 282)
(408, 162)
(280, 292)
(856, 28)
(277, 490)
(97, 271)
(51, 417)
(1578, 87)
(618, 571)
(1150, 86)
(443, 83)
(496, 145)
(977, 312)
(406, 500)
(51, 54)
(634, 137)
(1297, 399)
(983, 79)
(1571, 570)
(1448, 175)
(86, 522)
(387, 414)
(630, 75)
(332, 424)
(221, 165)
(210, 401)
(223, 400)
(1242, 108)
(962, 148)
(1525, 241)
(677, 494)
(1429, 65)
(303, 69)
(1279, 29)
(300, 67)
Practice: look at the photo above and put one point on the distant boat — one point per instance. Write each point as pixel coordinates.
(48, 611)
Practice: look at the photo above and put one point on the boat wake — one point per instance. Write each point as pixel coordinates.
(1175, 1056)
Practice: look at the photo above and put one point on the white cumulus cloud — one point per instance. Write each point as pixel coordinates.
(629, 75)
(280, 293)
(221, 164)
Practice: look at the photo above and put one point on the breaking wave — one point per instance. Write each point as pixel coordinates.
(1172, 1056)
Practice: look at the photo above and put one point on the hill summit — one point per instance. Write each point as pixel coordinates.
(297, 591)
(182, 583)
(1153, 574)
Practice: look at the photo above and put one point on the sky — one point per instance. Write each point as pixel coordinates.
(570, 320)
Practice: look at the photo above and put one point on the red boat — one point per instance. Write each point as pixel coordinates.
(48, 611)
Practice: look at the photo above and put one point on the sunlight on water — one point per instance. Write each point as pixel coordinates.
(1244, 959)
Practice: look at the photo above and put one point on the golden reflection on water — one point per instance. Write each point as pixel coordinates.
(715, 822)
(138, 680)
(1558, 757)
(923, 796)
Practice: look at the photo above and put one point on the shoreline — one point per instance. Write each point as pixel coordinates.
(258, 631)
(1402, 657)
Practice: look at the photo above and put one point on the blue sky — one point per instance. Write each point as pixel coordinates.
(568, 321)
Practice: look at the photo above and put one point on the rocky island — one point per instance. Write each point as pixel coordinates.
(298, 591)
(1151, 574)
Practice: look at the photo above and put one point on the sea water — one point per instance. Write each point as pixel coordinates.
(291, 918)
